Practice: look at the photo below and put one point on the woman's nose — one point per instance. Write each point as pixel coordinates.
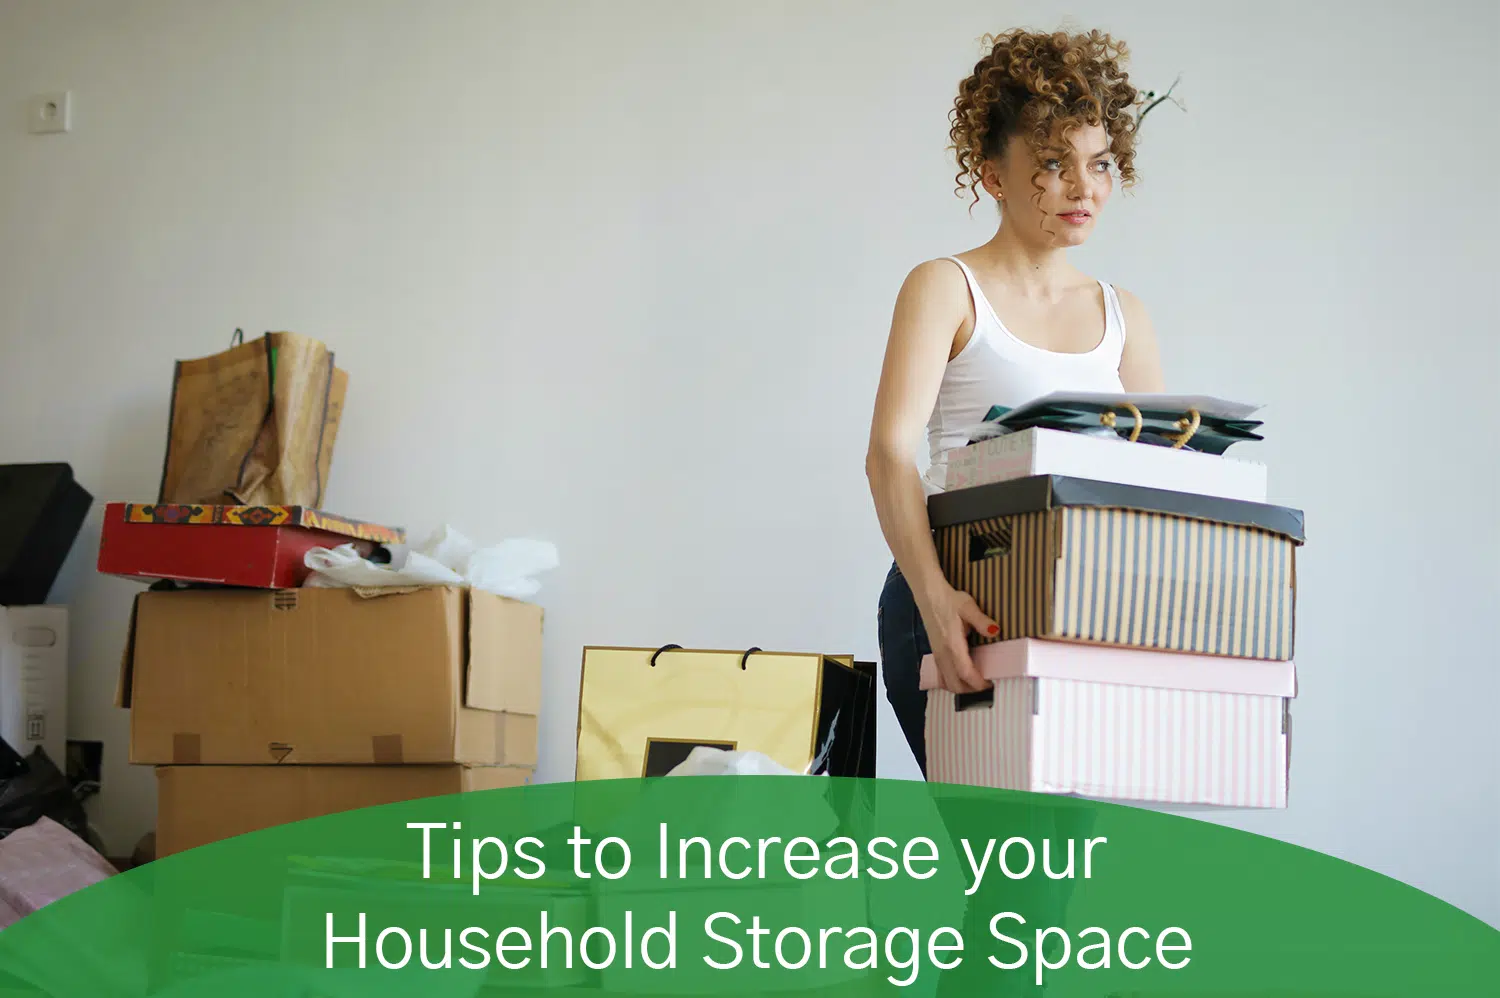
(1077, 185)
(1082, 186)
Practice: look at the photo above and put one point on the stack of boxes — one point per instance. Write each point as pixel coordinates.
(262, 707)
(261, 699)
(1146, 601)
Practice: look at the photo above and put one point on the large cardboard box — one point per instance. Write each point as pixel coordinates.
(197, 805)
(34, 680)
(329, 676)
(1109, 459)
(1098, 562)
(1117, 723)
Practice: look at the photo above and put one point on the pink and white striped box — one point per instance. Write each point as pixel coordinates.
(1117, 723)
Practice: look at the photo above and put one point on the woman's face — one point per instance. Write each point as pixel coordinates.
(1076, 176)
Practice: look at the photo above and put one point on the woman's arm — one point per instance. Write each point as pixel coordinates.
(930, 310)
(1140, 365)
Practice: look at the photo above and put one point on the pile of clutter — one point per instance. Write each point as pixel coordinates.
(1145, 590)
(47, 847)
(288, 661)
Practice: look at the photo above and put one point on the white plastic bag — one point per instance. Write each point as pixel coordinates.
(446, 558)
(509, 568)
(705, 761)
(342, 566)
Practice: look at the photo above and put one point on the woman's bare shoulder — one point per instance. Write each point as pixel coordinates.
(938, 269)
(1140, 362)
(935, 281)
(1130, 303)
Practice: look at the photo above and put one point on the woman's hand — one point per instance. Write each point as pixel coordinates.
(949, 618)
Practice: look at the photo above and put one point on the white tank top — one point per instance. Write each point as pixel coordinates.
(997, 368)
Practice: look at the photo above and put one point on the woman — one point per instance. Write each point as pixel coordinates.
(1043, 126)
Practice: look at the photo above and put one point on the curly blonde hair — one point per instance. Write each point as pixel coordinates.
(1030, 83)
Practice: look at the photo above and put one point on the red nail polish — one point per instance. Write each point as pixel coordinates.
(994, 629)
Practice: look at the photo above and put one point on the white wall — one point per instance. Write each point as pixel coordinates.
(618, 275)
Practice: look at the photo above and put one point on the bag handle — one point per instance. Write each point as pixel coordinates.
(1107, 418)
(665, 648)
(657, 653)
(1187, 425)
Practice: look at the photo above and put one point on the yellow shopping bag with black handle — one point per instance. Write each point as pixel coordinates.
(641, 711)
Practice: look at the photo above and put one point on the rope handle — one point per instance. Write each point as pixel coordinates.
(1188, 425)
(1107, 418)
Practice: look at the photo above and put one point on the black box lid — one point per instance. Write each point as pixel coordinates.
(1043, 492)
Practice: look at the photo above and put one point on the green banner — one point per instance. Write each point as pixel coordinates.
(749, 886)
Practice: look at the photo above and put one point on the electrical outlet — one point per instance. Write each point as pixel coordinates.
(49, 113)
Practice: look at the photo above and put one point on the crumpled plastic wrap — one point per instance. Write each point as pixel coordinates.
(705, 761)
(447, 558)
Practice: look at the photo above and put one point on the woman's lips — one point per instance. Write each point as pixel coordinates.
(1076, 217)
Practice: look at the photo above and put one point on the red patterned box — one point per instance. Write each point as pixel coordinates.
(259, 547)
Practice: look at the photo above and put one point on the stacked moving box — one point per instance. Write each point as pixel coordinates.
(1146, 601)
(262, 700)
(261, 707)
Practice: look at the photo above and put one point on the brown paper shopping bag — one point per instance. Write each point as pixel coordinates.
(254, 425)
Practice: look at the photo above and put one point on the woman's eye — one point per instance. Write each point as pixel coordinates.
(1103, 166)
(1051, 164)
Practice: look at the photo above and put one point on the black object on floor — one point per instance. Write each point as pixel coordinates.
(84, 767)
(42, 508)
(40, 790)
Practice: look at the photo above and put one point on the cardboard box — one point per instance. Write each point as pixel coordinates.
(1107, 459)
(196, 805)
(261, 547)
(328, 676)
(1116, 723)
(1082, 560)
(34, 680)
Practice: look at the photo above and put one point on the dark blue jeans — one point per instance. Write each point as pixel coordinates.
(903, 642)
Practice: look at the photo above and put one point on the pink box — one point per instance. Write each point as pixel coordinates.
(44, 862)
(1117, 723)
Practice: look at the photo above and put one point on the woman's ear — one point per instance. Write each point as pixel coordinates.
(989, 179)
